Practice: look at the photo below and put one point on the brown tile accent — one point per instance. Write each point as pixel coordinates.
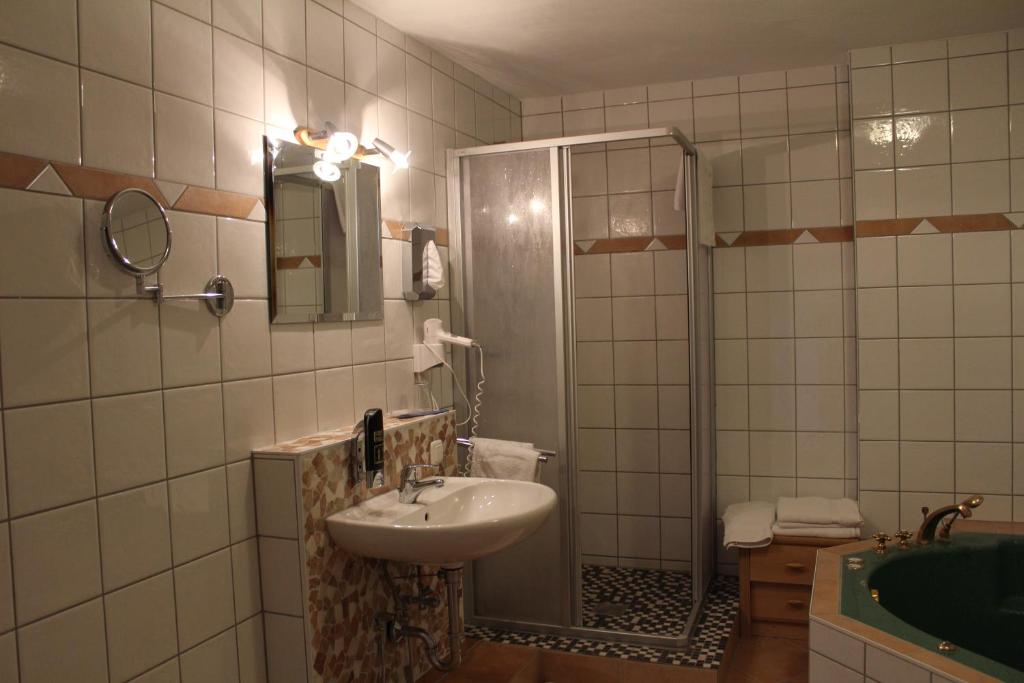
(619, 245)
(761, 238)
(886, 228)
(293, 262)
(397, 233)
(673, 242)
(93, 183)
(18, 171)
(578, 250)
(972, 223)
(215, 202)
(978, 222)
(841, 234)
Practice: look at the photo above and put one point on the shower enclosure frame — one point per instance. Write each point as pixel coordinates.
(702, 535)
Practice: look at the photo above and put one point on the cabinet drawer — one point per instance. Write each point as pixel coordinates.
(773, 602)
(779, 563)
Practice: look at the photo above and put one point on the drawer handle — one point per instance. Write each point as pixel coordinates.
(795, 566)
(795, 604)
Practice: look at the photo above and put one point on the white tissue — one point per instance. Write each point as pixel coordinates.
(433, 273)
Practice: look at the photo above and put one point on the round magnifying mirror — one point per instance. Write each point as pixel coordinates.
(136, 231)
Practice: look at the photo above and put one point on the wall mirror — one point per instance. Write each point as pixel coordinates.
(137, 235)
(323, 236)
(136, 231)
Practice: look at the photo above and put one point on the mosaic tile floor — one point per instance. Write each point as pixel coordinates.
(710, 637)
(634, 600)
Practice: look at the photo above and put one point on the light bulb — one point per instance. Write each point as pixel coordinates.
(399, 159)
(341, 146)
(326, 171)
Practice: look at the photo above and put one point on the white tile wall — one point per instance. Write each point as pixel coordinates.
(149, 414)
(633, 373)
(785, 369)
(936, 310)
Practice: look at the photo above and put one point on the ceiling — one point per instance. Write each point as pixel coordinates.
(548, 47)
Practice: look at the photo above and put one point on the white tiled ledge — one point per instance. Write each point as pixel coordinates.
(314, 442)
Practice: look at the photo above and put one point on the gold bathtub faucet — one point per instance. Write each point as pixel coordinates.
(926, 534)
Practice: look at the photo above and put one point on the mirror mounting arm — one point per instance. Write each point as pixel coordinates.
(219, 294)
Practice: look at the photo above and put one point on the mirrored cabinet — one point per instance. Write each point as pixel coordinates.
(323, 232)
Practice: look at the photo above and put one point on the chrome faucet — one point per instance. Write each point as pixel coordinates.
(926, 534)
(410, 488)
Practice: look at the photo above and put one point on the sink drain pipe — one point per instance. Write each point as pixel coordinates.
(397, 631)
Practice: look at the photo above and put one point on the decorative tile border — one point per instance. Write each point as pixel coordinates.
(751, 238)
(624, 245)
(38, 175)
(769, 238)
(299, 262)
(978, 222)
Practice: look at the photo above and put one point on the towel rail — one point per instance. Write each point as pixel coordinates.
(543, 455)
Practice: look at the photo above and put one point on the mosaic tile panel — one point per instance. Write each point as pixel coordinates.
(345, 591)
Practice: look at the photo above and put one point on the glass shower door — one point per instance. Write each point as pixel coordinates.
(511, 245)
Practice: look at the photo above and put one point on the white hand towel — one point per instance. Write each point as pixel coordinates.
(499, 459)
(433, 272)
(817, 510)
(705, 203)
(802, 525)
(818, 531)
(748, 525)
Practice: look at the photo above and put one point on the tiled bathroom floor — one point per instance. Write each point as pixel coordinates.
(709, 640)
(653, 601)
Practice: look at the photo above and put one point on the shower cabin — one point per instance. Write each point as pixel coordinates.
(590, 293)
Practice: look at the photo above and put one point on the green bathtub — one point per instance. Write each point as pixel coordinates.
(969, 592)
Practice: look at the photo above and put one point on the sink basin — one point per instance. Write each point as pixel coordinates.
(467, 518)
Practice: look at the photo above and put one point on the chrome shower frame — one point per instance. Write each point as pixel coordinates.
(702, 535)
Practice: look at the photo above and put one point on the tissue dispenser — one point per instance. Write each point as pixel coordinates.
(414, 285)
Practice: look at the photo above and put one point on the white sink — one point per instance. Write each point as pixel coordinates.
(465, 519)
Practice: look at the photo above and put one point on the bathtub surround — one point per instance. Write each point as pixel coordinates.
(844, 648)
(785, 367)
(320, 601)
(149, 412)
(938, 180)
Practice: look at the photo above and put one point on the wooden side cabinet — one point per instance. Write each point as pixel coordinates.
(775, 585)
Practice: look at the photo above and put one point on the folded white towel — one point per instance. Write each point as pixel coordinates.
(818, 531)
(786, 525)
(748, 525)
(817, 510)
(499, 459)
